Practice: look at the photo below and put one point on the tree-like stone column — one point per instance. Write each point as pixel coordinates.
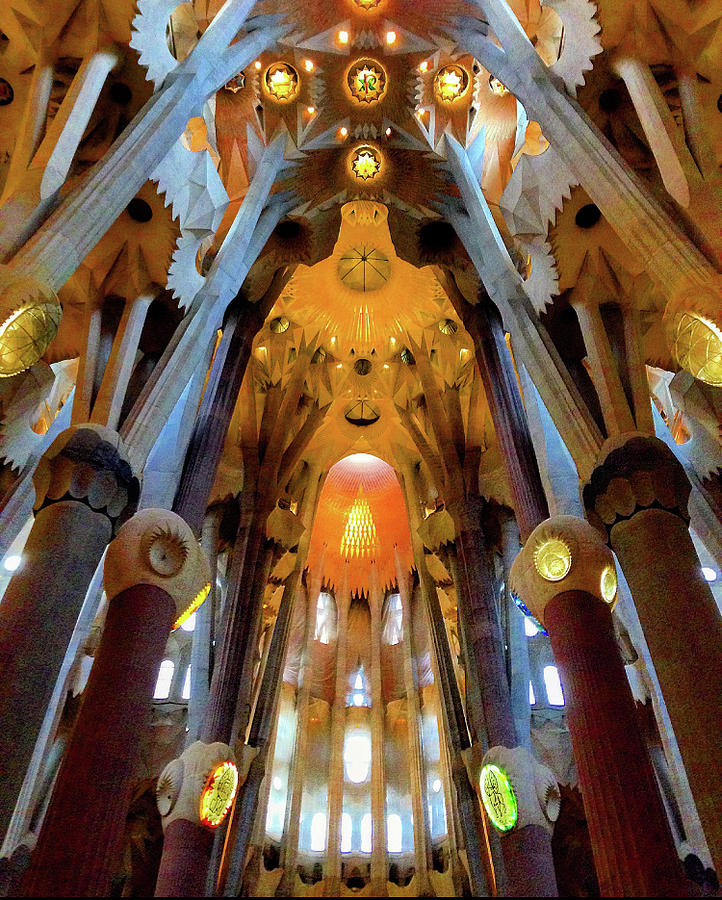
(155, 575)
(566, 578)
(84, 486)
(637, 498)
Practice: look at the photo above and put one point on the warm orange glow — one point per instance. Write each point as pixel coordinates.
(390, 37)
(257, 65)
(343, 37)
(282, 82)
(308, 65)
(359, 537)
(343, 132)
(424, 67)
(311, 110)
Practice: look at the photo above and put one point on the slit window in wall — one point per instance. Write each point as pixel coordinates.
(394, 628)
(553, 685)
(165, 678)
(357, 757)
(394, 834)
(318, 833)
(346, 833)
(186, 695)
(367, 833)
(532, 698)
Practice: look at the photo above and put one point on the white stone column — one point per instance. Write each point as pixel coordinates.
(379, 873)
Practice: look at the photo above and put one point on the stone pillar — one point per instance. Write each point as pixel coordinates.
(637, 498)
(154, 574)
(567, 578)
(332, 879)
(83, 486)
(419, 806)
(300, 755)
(529, 866)
(379, 873)
(202, 645)
(520, 672)
(204, 770)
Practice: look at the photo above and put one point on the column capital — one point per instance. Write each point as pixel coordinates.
(634, 472)
(89, 464)
(157, 547)
(562, 554)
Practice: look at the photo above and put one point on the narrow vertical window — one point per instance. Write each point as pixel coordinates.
(553, 685)
(394, 833)
(187, 685)
(367, 832)
(532, 698)
(318, 833)
(165, 677)
(346, 833)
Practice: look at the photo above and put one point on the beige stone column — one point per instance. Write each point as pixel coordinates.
(379, 872)
(637, 498)
(332, 885)
(419, 806)
(301, 750)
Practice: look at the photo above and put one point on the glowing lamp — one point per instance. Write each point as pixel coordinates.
(29, 320)
(498, 798)
(308, 65)
(451, 83)
(552, 559)
(218, 794)
(12, 563)
(696, 342)
(424, 66)
(390, 38)
(257, 65)
(366, 163)
(343, 132)
(608, 584)
(367, 81)
(193, 606)
(343, 37)
(282, 82)
(708, 573)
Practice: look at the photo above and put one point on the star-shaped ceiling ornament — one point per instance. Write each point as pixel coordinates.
(451, 83)
(366, 163)
(367, 81)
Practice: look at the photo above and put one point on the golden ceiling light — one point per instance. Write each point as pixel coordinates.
(257, 65)
(368, 4)
(390, 38)
(282, 82)
(696, 342)
(364, 269)
(29, 320)
(308, 65)
(451, 83)
(343, 37)
(343, 132)
(424, 66)
(366, 163)
(367, 81)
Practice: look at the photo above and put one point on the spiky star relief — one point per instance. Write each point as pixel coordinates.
(367, 81)
(451, 83)
(282, 82)
(366, 163)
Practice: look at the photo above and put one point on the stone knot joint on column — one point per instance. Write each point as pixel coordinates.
(564, 553)
(157, 547)
(89, 464)
(635, 472)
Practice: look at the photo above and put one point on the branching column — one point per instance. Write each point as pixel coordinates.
(379, 874)
(419, 806)
(83, 485)
(154, 572)
(332, 881)
(637, 498)
(567, 578)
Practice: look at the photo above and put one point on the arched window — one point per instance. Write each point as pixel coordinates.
(359, 696)
(187, 685)
(165, 679)
(357, 757)
(394, 627)
(553, 685)
(318, 833)
(394, 834)
(346, 833)
(367, 833)
(324, 618)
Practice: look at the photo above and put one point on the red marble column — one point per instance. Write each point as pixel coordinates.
(83, 829)
(186, 856)
(634, 852)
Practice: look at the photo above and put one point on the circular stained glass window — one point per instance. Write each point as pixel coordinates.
(282, 82)
(366, 81)
(498, 797)
(451, 83)
(364, 269)
(218, 794)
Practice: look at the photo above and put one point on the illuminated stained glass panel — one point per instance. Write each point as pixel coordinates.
(498, 797)
(367, 81)
(359, 536)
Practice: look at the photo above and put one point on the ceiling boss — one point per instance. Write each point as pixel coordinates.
(367, 81)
